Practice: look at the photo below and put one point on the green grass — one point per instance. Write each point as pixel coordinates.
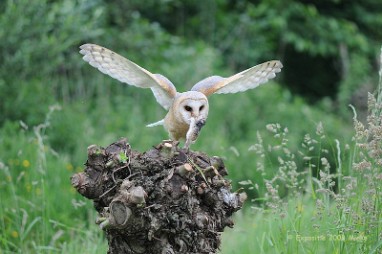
(312, 188)
(37, 197)
(298, 209)
(294, 231)
(330, 208)
(41, 213)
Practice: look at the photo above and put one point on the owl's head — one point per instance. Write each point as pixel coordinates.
(191, 104)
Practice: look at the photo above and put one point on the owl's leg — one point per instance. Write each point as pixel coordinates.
(190, 134)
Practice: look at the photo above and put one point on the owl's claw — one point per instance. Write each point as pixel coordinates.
(186, 148)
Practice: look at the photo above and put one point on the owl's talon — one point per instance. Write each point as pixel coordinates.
(186, 146)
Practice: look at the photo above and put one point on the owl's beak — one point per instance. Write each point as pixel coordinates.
(195, 116)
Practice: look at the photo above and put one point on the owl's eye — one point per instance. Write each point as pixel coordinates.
(201, 108)
(188, 108)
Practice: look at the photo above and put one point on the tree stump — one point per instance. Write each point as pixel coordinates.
(166, 200)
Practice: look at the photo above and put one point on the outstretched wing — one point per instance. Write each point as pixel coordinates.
(126, 71)
(240, 82)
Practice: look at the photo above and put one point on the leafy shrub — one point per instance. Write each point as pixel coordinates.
(39, 38)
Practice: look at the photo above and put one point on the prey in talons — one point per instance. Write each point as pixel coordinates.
(193, 131)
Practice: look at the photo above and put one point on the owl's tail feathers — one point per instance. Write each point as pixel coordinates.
(160, 122)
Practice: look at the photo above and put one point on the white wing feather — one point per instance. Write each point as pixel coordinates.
(162, 96)
(240, 82)
(160, 122)
(126, 71)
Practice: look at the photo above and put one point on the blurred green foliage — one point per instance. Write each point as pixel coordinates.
(328, 49)
(316, 39)
(330, 42)
(37, 64)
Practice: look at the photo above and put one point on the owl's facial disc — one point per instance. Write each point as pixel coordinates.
(191, 105)
(197, 109)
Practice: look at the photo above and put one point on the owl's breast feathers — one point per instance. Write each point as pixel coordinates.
(175, 127)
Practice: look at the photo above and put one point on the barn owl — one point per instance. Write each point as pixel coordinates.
(187, 111)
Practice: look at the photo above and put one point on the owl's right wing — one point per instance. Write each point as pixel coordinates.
(126, 71)
(240, 82)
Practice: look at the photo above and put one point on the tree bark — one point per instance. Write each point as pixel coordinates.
(166, 200)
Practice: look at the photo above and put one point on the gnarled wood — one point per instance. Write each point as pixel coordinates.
(166, 200)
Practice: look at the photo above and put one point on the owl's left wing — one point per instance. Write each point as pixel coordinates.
(240, 82)
(126, 71)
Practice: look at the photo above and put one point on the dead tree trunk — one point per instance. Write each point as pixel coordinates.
(163, 201)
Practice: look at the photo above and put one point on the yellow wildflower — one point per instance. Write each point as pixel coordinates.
(300, 207)
(14, 234)
(28, 187)
(26, 163)
(69, 167)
